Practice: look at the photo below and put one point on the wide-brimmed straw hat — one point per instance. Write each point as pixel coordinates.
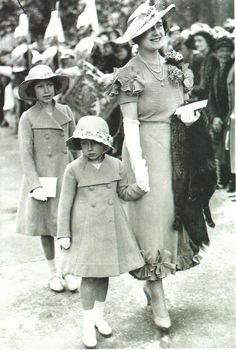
(90, 127)
(142, 19)
(42, 72)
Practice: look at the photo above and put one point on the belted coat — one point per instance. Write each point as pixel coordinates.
(91, 213)
(43, 153)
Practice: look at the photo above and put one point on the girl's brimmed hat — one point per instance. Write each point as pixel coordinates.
(90, 127)
(142, 19)
(42, 72)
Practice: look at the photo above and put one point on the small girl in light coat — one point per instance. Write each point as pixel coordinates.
(92, 226)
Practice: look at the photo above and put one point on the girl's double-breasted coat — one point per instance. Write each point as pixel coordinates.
(43, 154)
(91, 213)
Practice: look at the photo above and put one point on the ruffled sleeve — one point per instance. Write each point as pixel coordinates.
(127, 84)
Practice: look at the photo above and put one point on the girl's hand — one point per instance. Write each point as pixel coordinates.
(39, 194)
(64, 242)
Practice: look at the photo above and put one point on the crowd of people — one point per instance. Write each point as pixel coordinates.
(127, 87)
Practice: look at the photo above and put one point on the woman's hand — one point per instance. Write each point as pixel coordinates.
(189, 117)
(64, 242)
(39, 194)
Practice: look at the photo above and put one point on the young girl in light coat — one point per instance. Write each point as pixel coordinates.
(92, 226)
(43, 130)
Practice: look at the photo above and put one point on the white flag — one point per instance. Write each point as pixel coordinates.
(23, 27)
(89, 16)
(54, 28)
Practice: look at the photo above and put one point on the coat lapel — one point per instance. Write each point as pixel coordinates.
(89, 175)
(43, 120)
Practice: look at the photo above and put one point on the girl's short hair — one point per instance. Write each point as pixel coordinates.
(30, 89)
(137, 39)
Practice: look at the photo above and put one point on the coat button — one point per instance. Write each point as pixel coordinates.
(93, 205)
(91, 188)
(110, 202)
(108, 185)
(65, 151)
(49, 154)
(46, 137)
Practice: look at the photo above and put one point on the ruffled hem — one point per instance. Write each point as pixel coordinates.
(128, 80)
(163, 266)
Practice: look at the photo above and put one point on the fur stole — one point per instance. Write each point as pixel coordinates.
(194, 177)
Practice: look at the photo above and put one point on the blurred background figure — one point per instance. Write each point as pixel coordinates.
(204, 44)
(218, 107)
(230, 139)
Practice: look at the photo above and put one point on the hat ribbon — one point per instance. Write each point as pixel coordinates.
(148, 11)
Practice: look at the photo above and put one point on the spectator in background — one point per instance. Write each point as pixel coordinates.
(173, 33)
(218, 107)
(191, 56)
(230, 145)
(204, 43)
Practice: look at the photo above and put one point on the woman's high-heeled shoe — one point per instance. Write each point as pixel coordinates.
(163, 323)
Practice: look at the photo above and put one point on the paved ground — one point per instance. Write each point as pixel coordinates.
(201, 300)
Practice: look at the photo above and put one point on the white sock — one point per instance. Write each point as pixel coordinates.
(99, 309)
(88, 318)
(52, 267)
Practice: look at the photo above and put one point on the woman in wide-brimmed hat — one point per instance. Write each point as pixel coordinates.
(43, 130)
(150, 87)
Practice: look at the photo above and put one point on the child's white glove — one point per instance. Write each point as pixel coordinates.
(64, 242)
(39, 194)
(132, 140)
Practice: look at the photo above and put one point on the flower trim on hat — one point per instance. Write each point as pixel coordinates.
(126, 79)
(98, 136)
(178, 72)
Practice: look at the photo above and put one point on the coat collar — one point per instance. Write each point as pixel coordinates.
(89, 175)
(43, 120)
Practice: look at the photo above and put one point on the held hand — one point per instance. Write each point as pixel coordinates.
(39, 194)
(141, 175)
(64, 242)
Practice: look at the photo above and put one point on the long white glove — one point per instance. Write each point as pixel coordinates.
(138, 164)
(64, 242)
(39, 194)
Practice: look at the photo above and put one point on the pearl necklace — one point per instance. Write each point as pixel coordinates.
(155, 72)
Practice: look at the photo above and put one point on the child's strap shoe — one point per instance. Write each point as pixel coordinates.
(71, 282)
(55, 284)
(103, 328)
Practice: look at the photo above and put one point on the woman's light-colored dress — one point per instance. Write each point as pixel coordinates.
(164, 249)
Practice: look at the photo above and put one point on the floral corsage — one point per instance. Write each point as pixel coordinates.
(178, 72)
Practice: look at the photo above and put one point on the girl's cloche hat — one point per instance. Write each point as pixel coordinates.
(42, 72)
(142, 19)
(90, 127)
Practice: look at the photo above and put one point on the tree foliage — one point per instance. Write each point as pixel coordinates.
(212, 12)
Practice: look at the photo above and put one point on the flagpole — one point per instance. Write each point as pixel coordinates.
(58, 52)
(28, 36)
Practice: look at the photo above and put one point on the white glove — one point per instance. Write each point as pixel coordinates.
(39, 194)
(189, 117)
(138, 164)
(64, 242)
